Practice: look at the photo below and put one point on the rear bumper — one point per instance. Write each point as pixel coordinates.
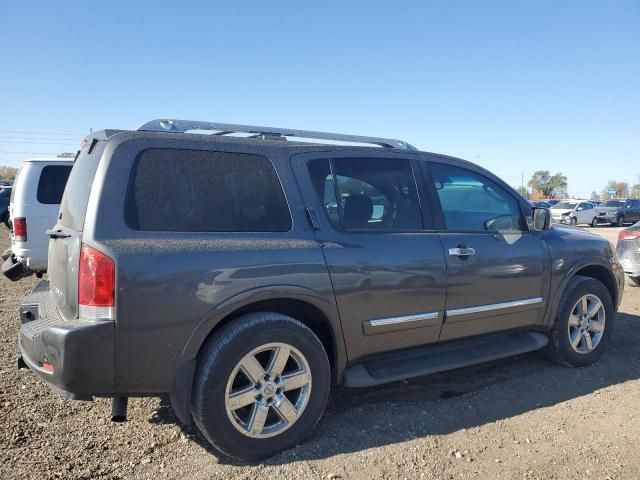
(79, 352)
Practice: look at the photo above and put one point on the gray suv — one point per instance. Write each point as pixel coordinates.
(267, 271)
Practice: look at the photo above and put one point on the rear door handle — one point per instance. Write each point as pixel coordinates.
(462, 251)
(57, 234)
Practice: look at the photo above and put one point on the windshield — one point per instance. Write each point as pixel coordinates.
(612, 203)
(565, 205)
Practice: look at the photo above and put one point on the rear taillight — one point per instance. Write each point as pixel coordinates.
(96, 284)
(629, 235)
(20, 229)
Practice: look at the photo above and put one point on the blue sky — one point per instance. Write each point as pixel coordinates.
(515, 86)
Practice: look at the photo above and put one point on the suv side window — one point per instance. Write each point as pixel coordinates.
(375, 194)
(201, 191)
(473, 203)
(53, 179)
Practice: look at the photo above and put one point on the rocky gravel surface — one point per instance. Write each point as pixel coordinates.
(523, 418)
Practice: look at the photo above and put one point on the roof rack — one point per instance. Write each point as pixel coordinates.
(182, 126)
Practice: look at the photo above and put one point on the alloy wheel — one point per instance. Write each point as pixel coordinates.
(586, 324)
(268, 390)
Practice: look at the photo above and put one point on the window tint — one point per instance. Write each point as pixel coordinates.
(473, 203)
(53, 179)
(75, 199)
(5, 192)
(373, 193)
(199, 191)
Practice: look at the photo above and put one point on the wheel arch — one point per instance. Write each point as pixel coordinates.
(307, 306)
(592, 269)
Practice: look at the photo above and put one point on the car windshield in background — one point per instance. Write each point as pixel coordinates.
(565, 205)
(612, 203)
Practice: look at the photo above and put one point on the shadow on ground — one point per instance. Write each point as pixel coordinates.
(359, 419)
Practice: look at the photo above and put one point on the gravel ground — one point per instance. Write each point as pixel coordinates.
(523, 418)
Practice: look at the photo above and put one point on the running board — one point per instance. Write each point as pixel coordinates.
(395, 366)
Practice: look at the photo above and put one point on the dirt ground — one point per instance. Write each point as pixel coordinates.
(522, 418)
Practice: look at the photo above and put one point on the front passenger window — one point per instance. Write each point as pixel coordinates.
(473, 203)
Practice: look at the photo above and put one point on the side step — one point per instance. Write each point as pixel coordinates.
(391, 367)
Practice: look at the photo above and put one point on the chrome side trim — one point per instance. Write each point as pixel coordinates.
(494, 306)
(390, 324)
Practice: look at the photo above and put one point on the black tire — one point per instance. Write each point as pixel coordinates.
(573, 222)
(633, 281)
(594, 222)
(620, 221)
(222, 354)
(559, 348)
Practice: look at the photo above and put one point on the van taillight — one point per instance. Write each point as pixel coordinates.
(20, 229)
(96, 284)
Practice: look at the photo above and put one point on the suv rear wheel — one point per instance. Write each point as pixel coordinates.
(583, 324)
(261, 386)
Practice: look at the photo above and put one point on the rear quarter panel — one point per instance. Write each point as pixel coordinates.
(172, 288)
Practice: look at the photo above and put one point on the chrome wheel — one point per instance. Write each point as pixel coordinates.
(586, 324)
(268, 390)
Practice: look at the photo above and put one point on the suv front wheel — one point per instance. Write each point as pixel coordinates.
(261, 386)
(583, 324)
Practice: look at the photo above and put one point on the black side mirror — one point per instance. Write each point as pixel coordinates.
(541, 219)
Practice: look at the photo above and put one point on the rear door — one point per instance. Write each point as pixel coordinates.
(385, 260)
(497, 271)
(64, 244)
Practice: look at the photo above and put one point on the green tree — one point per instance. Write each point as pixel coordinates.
(621, 190)
(524, 192)
(635, 190)
(549, 185)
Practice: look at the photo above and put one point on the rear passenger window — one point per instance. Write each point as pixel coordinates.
(368, 193)
(53, 179)
(200, 191)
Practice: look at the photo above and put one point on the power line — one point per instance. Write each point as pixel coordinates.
(32, 153)
(18, 137)
(42, 133)
(39, 143)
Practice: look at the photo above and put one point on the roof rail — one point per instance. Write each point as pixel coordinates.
(182, 126)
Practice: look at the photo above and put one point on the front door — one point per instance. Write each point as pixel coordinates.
(386, 263)
(498, 271)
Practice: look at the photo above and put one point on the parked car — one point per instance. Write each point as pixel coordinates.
(619, 212)
(574, 212)
(286, 268)
(628, 251)
(551, 201)
(5, 196)
(540, 204)
(35, 200)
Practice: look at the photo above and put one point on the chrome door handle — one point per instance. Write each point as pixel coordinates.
(462, 252)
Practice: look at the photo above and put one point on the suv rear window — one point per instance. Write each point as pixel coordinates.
(53, 179)
(76, 197)
(201, 191)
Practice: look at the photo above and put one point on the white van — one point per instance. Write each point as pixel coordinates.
(35, 201)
